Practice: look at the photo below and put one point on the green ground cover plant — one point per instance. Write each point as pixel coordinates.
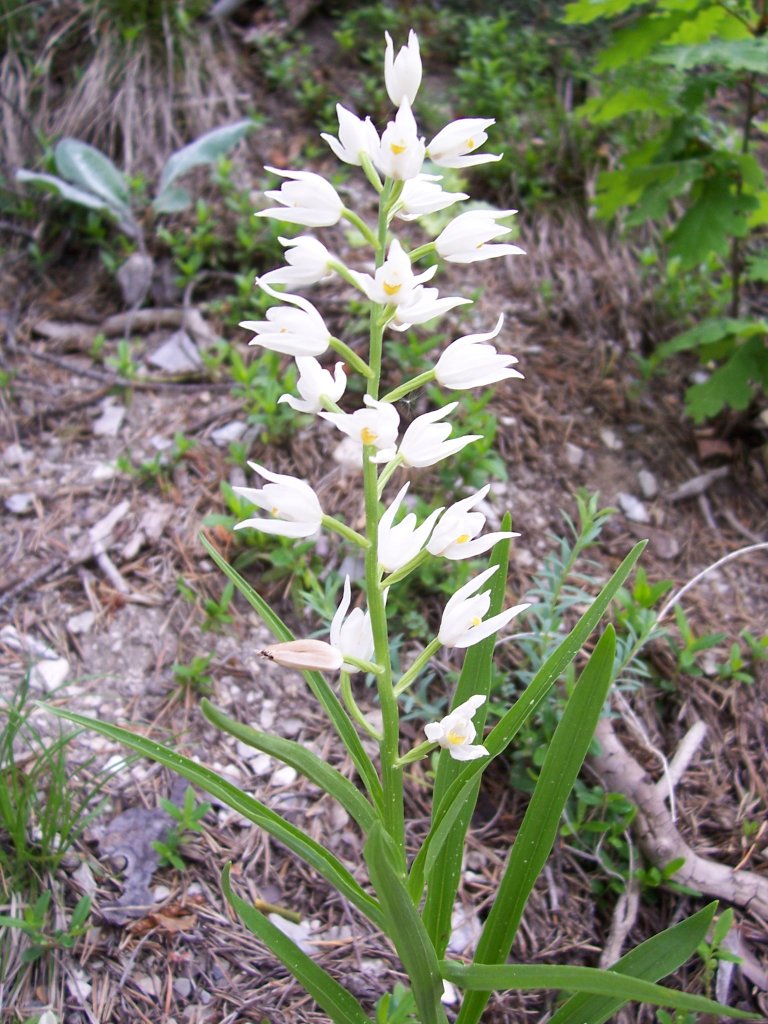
(683, 84)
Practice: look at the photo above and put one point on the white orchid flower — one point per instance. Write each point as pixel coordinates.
(356, 137)
(462, 623)
(292, 502)
(304, 655)
(423, 306)
(469, 363)
(465, 239)
(351, 635)
(401, 152)
(402, 74)
(454, 536)
(294, 332)
(375, 425)
(456, 731)
(307, 198)
(425, 442)
(399, 543)
(394, 282)
(423, 195)
(315, 384)
(308, 262)
(451, 146)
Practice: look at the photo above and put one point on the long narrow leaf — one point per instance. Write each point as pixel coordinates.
(538, 830)
(404, 927)
(651, 960)
(340, 1005)
(523, 977)
(507, 727)
(307, 849)
(303, 760)
(475, 678)
(318, 685)
(204, 150)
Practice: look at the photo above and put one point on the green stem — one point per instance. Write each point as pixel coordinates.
(410, 385)
(346, 532)
(344, 272)
(387, 472)
(354, 711)
(417, 753)
(361, 226)
(363, 665)
(351, 357)
(391, 774)
(408, 677)
(405, 570)
(423, 250)
(370, 172)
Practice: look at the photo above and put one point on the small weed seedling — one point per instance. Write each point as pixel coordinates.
(188, 819)
(42, 939)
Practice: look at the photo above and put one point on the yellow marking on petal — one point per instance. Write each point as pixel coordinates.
(368, 436)
(455, 738)
(475, 621)
(462, 539)
(391, 289)
(470, 143)
(397, 150)
(275, 511)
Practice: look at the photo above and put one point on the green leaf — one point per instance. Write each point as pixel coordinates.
(636, 41)
(717, 215)
(172, 200)
(340, 1005)
(91, 170)
(404, 926)
(538, 831)
(307, 849)
(303, 760)
(628, 99)
(583, 12)
(651, 960)
(475, 678)
(707, 333)
(508, 726)
(732, 384)
(66, 191)
(741, 55)
(316, 682)
(205, 150)
(524, 977)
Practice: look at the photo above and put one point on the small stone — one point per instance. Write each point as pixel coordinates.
(610, 439)
(111, 419)
(574, 455)
(648, 484)
(160, 893)
(183, 988)
(104, 471)
(179, 354)
(20, 504)
(15, 455)
(230, 432)
(82, 623)
(291, 726)
(77, 984)
(267, 719)
(633, 508)
(261, 764)
(50, 674)
(285, 776)
(134, 277)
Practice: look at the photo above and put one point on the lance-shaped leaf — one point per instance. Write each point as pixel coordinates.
(475, 679)
(205, 150)
(404, 927)
(524, 977)
(303, 760)
(653, 959)
(507, 727)
(538, 831)
(307, 849)
(340, 1005)
(317, 684)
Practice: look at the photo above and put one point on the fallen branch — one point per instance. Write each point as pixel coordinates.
(658, 836)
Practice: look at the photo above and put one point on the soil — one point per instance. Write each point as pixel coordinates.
(91, 557)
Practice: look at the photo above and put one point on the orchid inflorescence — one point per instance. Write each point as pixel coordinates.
(400, 297)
